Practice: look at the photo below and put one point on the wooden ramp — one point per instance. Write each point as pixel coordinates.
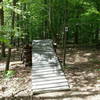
(46, 70)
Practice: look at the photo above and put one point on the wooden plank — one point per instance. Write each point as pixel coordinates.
(50, 81)
(46, 69)
(49, 78)
(50, 86)
(52, 89)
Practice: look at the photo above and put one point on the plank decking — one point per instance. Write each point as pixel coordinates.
(46, 70)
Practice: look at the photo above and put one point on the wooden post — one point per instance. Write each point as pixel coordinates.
(65, 39)
(65, 33)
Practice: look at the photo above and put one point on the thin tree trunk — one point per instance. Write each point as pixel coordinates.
(65, 36)
(65, 39)
(76, 35)
(9, 50)
(51, 19)
(8, 59)
(2, 24)
(3, 50)
(97, 34)
(18, 39)
(45, 22)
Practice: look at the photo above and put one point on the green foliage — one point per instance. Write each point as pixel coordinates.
(7, 32)
(95, 61)
(9, 74)
(38, 18)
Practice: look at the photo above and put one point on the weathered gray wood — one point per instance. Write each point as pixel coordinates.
(46, 70)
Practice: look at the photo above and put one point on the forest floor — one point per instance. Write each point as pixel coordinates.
(18, 83)
(82, 71)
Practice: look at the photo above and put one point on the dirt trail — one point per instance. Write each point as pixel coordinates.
(82, 71)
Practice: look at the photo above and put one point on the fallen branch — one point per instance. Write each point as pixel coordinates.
(18, 92)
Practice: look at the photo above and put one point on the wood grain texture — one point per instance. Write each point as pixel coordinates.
(46, 70)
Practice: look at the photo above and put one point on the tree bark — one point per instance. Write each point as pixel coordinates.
(8, 59)
(65, 36)
(76, 35)
(45, 33)
(9, 49)
(2, 24)
(97, 34)
(3, 50)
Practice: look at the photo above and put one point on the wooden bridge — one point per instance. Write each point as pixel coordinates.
(46, 70)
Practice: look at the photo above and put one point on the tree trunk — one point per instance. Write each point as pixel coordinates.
(65, 39)
(2, 24)
(18, 39)
(3, 50)
(97, 34)
(65, 36)
(76, 35)
(9, 50)
(8, 59)
(45, 33)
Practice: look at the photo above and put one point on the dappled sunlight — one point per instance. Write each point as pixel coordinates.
(85, 81)
(46, 70)
(87, 54)
(20, 82)
(12, 65)
(49, 49)
(15, 62)
(83, 77)
(83, 73)
(69, 95)
(2, 66)
(78, 56)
